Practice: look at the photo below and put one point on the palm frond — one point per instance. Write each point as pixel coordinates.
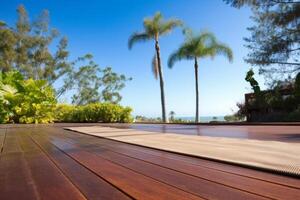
(157, 17)
(152, 24)
(201, 45)
(223, 49)
(169, 25)
(155, 66)
(156, 25)
(137, 37)
(150, 27)
(173, 58)
(207, 37)
(179, 55)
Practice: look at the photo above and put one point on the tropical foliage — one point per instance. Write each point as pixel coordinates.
(198, 46)
(33, 101)
(25, 101)
(154, 28)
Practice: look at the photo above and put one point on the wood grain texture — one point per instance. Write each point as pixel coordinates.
(15, 177)
(135, 184)
(244, 183)
(91, 185)
(244, 172)
(50, 182)
(187, 182)
(47, 162)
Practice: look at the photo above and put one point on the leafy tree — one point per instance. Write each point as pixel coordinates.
(254, 84)
(198, 46)
(274, 43)
(112, 83)
(7, 51)
(88, 83)
(93, 84)
(25, 48)
(153, 29)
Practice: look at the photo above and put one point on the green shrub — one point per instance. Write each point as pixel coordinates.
(33, 101)
(94, 112)
(25, 101)
(64, 112)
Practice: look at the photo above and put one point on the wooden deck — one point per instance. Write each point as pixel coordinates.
(51, 163)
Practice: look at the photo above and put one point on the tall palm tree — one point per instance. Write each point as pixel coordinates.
(153, 29)
(172, 116)
(199, 46)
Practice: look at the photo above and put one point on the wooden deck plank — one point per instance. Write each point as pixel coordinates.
(255, 186)
(50, 183)
(35, 166)
(2, 137)
(186, 182)
(244, 172)
(11, 143)
(89, 183)
(265, 155)
(135, 184)
(15, 177)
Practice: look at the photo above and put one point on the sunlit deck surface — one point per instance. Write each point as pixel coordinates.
(284, 132)
(47, 162)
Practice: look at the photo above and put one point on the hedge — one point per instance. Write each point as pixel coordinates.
(95, 112)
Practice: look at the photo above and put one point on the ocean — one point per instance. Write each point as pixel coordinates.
(204, 118)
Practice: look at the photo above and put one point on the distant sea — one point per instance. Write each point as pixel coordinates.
(204, 118)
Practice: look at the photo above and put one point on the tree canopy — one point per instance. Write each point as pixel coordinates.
(93, 84)
(154, 28)
(200, 45)
(38, 52)
(25, 47)
(274, 43)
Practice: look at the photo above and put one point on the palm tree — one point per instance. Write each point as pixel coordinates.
(172, 116)
(199, 46)
(153, 29)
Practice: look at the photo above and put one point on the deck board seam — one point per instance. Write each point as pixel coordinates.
(188, 174)
(55, 166)
(62, 151)
(142, 174)
(250, 177)
(246, 191)
(204, 158)
(153, 149)
(176, 171)
(282, 173)
(34, 185)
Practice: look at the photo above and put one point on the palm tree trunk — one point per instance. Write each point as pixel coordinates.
(161, 80)
(197, 91)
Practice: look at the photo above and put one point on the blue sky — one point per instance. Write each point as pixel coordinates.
(103, 27)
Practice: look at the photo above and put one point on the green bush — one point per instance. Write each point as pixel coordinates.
(94, 112)
(33, 101)
(25, 101)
